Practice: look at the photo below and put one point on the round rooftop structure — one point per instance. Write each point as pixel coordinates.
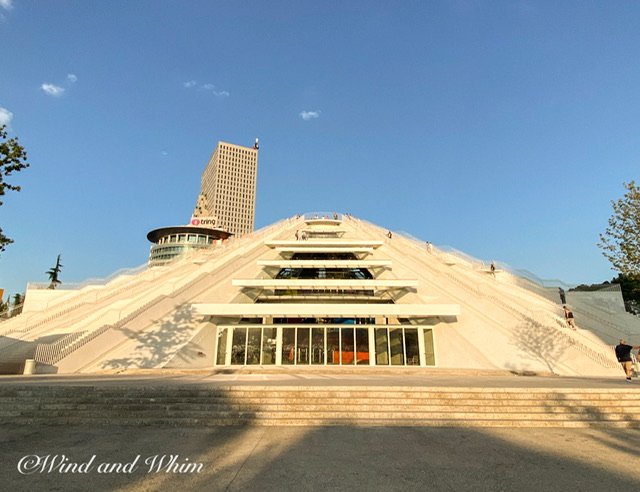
(173, 241)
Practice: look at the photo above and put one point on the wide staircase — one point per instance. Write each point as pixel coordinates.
(263, 405)
(93, 316)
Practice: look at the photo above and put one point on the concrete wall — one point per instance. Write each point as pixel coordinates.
(36, 300)
(198, 352)
(605, 300)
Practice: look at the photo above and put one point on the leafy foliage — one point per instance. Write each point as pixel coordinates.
(620, 242)
(10, 309)
(13, 159)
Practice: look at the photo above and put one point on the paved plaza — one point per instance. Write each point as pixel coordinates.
(331, 458)
(323, 458)
(283, 376)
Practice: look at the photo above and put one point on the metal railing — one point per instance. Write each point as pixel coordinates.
(53, 353)
(601, 355)
(91, 281)
(11, 311)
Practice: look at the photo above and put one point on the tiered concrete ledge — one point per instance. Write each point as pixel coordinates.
(325, 263)
(319, 230)
(326, 243)
(325, 221)
(325, 284)
(313, 248)
(326, 310)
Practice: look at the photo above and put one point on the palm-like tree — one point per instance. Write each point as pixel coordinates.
(53, 274)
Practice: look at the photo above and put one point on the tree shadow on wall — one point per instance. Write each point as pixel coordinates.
(158, 345)
(539, 343)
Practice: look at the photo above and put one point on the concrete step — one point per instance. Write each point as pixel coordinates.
(305, 422)
(303, 407)
(276, 405)
(259, 415)
(630, 393)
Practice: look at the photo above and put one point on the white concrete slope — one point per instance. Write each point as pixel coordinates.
(161, 323)
(507, 326)
(148, 320)
(83, 317)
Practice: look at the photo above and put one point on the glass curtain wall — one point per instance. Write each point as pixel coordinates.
(249, 346)
(397, 346)
(315, 345)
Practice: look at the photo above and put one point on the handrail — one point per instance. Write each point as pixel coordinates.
(602, 358)
(185, 258)
(593, 313)
(7, 314)
(55, 352)
(130, 271)
(322, 215)
(91, 281)
(519, 272)
(27, 328)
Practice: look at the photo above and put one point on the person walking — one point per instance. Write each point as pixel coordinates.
(623, 354)
(563, 298)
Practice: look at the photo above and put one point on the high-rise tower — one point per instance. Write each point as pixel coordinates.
(228, 190)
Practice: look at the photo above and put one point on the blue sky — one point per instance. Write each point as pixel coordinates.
(503, 128)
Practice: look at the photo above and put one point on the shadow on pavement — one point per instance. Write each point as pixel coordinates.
(333, 458)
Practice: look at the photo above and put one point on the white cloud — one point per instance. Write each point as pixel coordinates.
(6, 4)
(5, 116)
(309, 115)
(206, 87)
(52, 90)
(212, 88)
(72, 78)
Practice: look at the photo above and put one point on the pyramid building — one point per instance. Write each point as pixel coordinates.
(314, 290)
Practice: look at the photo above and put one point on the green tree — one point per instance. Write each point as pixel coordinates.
(16, 308)
(54, 274)
(4, 309)
(620, 242)
(13, 159)
(630, 286)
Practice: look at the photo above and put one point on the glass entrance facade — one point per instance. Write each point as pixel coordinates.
(325, 345)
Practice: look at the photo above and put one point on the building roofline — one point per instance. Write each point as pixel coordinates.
(236, 145)
(154, 235)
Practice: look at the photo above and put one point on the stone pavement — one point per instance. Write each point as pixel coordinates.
(350, 458)
(329, 458)
(285, 376)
